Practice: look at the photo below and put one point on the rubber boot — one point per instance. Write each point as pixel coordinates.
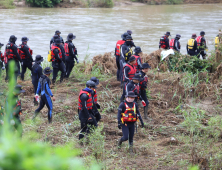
(50, 121)
(131, 147)
(146, 112)
(53, 82)
(119, 143)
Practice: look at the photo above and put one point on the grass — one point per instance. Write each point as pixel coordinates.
(7, 4)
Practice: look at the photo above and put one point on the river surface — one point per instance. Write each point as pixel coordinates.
(98, 29)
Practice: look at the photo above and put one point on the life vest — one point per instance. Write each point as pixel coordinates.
(118, 47)
(198, 39)
(9, 52)
(191, 43)
(21, 52)
(89, 102)
(217, 41)
(130, 114)
(144, 82)
(136, 64)
(95, 96)
(172, 41)
(53, 55)
(66, 47)
(163, 42)
(132, 71)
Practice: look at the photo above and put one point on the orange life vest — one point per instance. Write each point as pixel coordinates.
(132, 71)
(66, 47)
(163, 42)
(118, 47)
(130, 114)
(172, 43)
(199, 40)
(21, 52)
(95, 96)
(144, 81)
(136, 64)
(9, 52)
(89, 102)
(52, 52)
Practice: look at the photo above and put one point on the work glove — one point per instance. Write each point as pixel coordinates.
(90, 120)
(12, 122)
(142, 124)
(120, 125)
(98, 106)
(77, 61)
(143, 103)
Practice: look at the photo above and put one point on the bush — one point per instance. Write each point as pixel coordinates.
(7, 3)
(43, 3)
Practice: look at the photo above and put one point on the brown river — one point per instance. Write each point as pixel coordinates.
(98, 29)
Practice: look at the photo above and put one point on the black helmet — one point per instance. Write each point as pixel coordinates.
(129, 32)
(202, 33)
(132, 58)
(129, 37)
(137, 49)
(130, 94)
(90, 83)
(137, 76)
(123, 36)
(18, 89)
(71, 36)
(57, 32)
(145, 65)
(38, 58)
(12, 38)
(95, 80)
(168, 33)
(47, 70)
(24, 39)
(178, 36)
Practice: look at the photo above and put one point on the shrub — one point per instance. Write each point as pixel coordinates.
(43, 3)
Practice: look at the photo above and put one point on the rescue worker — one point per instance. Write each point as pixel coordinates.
(96, 105)
(26, 55)
(46, 94)
(138, 63)
(36, 74)
(15, 109)
(85, 109)
(164, 41)
(1, 59)
(217, 41)
(143, 86)
(57, 34)
(126, 48)
(71, 53)
(201, 45)
(129, 70)
(192, 46)
(117, 53)
(11, 54)
(57, 61)
(175, 43)
(128, 114)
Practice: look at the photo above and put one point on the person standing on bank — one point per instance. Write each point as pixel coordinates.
(11, 54)
(71, 53)
(192, 46)
(46, 94)
(164, 41)
(175, 43)
(143, 87)
(201, 45)
(85, 109)
(138, 64)
(96, 105)
(57, 34)
(128, 114)
(26, 55)
(36, 74)
(57, 61)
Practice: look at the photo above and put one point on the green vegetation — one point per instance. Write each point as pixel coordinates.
(174, 1)
(43, 3)
(7, 3)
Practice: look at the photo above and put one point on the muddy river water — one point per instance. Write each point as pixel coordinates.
(98, 29)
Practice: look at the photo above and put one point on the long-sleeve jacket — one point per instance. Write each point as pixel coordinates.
(25, 49)
(72, 51)
(131, 86)
(122, 109)
(177, 44)
(44, 86)
(36, 71)
(15, 51)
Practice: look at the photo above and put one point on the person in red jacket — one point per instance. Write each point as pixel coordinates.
(117, 54)
(138, 64)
